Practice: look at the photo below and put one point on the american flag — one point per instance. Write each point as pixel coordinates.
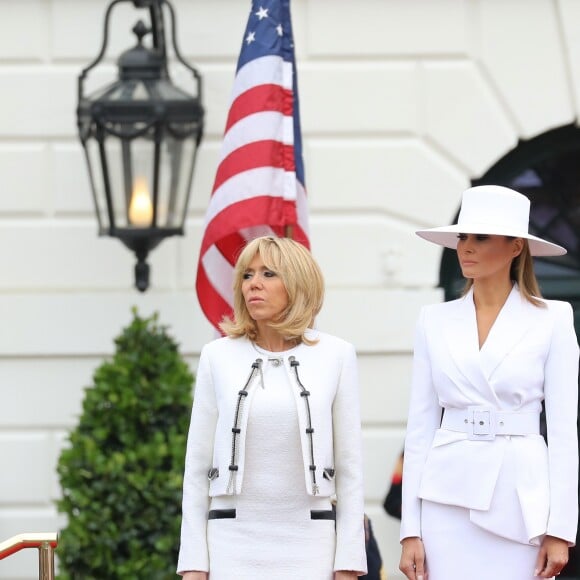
(259, 184)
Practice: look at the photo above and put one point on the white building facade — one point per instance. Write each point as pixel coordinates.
(403, 104)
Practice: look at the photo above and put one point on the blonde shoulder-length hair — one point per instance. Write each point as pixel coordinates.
(522, 272)
(301, 277)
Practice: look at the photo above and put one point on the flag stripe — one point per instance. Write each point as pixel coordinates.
(230, 246)
(220, 272)
(244, 214)
(258, 100)
(245, 185)
(213, 305)
(267, 126)
(253, 155)
(262, 70)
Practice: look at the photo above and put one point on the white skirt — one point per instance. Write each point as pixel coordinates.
(270, 541)
(456, 549)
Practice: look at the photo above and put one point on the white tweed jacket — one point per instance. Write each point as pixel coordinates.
(328, 371)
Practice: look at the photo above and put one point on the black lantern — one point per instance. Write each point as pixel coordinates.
(140, 135)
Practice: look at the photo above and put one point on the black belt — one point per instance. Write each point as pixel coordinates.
(231, 514)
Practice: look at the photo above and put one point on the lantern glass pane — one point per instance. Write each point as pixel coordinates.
(97, 182)
(130, 170)
(176, 167)
(140, 196)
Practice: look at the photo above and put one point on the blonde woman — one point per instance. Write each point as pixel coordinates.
(275, 434)
(483, 497)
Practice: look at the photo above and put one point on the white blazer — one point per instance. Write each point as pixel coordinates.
(328, 370)
(512, 485)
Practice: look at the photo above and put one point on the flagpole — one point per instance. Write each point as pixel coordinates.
(289, 231)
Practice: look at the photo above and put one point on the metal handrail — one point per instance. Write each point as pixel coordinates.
(45, 542)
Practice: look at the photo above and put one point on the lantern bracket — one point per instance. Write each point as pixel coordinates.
(157, 29)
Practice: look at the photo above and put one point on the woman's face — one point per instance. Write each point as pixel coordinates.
(483, 256)
(264, 292)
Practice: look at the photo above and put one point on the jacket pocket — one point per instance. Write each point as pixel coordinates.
(446, 436)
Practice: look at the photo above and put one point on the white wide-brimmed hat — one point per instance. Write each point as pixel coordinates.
(494, 210)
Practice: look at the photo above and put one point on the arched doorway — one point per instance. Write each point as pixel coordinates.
(547, 170)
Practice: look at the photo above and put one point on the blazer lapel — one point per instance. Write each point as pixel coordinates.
(460, 332)
(512, 323)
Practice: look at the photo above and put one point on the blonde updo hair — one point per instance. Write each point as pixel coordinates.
(301, 277)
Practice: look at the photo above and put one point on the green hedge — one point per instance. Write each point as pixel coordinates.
(121, 475)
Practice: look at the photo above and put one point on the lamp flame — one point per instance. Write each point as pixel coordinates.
(140, 208)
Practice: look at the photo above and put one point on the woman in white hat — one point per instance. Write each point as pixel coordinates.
(483, 497)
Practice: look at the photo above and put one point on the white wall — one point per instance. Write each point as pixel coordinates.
(402, 104)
